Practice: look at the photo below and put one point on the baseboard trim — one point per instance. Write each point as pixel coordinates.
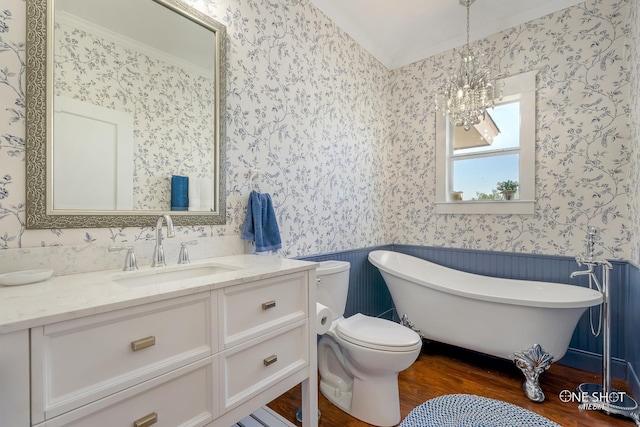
(633, 381)
(592, 362)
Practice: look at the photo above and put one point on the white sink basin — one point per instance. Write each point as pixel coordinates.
(171, 274)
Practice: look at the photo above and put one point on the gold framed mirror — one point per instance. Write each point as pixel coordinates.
(125, 101)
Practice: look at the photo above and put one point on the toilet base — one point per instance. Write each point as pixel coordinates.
(375, 401)
(342, 399)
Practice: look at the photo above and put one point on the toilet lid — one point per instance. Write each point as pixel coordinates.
(376, 333)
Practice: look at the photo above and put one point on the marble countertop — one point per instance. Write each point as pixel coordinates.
(67, 297)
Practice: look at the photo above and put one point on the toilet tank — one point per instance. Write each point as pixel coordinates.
(333, 285)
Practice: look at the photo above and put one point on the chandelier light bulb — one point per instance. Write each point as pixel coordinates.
(470, 90)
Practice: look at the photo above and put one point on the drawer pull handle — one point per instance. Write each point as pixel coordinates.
(143, 343)
(267, 305)
(146, 421)
(270, 360)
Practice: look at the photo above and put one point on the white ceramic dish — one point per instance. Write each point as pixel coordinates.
(25, 277)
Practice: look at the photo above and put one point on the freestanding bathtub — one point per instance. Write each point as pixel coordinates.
(530, 323)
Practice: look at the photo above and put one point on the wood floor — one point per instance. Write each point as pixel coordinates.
(442, 369)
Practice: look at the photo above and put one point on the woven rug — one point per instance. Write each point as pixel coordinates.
(466, 410)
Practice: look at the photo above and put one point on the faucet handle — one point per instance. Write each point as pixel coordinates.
(183, 258)
(591, 242)
(130, 263)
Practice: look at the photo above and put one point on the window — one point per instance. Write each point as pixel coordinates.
(486, 154)
(469, 164)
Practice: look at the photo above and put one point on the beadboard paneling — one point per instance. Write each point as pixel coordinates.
(368, 294)
(633, 329)
(539, 268)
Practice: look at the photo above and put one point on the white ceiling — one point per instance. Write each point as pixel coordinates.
(147, 23)
(399, 32)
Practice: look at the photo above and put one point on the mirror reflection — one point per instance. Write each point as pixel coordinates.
(132, 120)
(133, 106)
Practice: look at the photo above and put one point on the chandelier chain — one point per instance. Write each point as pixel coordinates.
(471, 89)
(468, 25)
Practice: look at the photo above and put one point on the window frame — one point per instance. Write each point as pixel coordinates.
(520, 87)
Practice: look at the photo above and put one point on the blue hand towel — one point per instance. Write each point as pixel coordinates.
(179, 193)
(260, 224)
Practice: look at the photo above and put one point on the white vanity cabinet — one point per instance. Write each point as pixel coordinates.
(14, 379)
(79, 361)
(183, 397)
(264, 331)
(207, 358)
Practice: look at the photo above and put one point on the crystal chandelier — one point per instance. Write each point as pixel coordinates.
(470, 89)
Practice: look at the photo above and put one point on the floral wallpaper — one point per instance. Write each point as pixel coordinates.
(582, 144)
(12, 129)
(306, 106)
(634, 138)
(347, 147)
(172, 108)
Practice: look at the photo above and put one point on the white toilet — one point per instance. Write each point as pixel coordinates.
(359, 357)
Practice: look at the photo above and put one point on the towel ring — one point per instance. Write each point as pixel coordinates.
(253, 177)
(255, 173)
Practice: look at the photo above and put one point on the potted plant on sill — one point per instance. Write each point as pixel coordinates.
(508, 189)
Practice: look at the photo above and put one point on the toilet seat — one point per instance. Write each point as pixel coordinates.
(377, 334)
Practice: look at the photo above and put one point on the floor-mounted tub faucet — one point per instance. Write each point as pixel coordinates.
(600, 396)
(588, 271)
(158, 251)
(589, 260)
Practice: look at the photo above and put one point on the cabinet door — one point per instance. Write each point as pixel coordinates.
(253, 309)
(79, 361)
(14, 379)
(184, 397)
(253, 367)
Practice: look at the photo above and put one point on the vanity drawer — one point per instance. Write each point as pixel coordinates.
(253, 309)
(252, 367)
(82, 360)
(184, 397)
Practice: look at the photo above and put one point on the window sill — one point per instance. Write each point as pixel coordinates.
(495, 207)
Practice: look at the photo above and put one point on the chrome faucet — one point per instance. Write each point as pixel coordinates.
(130, 263)
(183, 258)
(591, 237)
(591, 262)
(589, 270)
(158, 251)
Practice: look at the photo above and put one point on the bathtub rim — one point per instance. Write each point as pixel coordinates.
(585, 297)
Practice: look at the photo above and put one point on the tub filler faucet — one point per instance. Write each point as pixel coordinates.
(587, 272)
(158, 251)
(588, 258)
(603, 396)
